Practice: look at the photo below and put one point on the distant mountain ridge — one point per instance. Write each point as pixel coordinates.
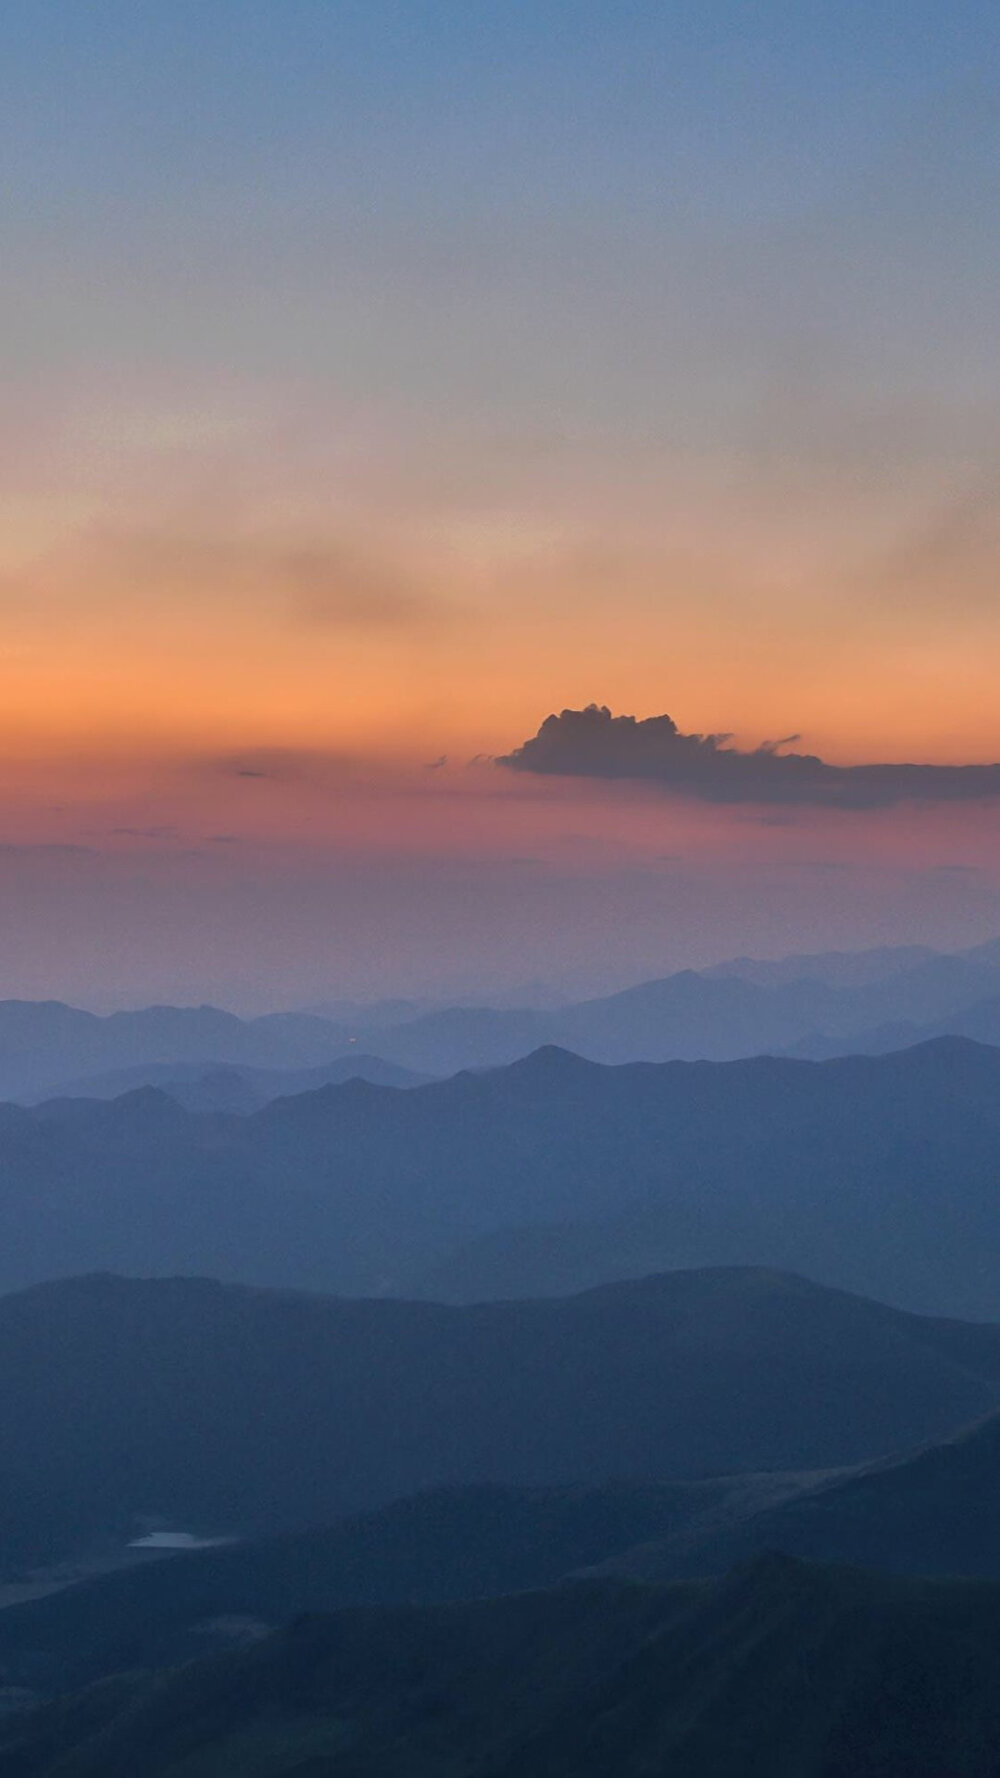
(827, 1003)
(231, 1087)
(839, 969)
(690, 1016)
(979, 1021)
(45, 1043)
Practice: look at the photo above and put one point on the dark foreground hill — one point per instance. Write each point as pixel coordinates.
(877, 1174)
(779, 1671)
(454, 1543)
(223, 1408)
(933, 1514)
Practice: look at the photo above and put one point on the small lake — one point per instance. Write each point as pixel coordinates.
(177, 1540)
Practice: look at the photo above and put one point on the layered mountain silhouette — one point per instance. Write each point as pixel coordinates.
(44, 1044)
(230, 1410)
(874, 1174)
(228, 1087)
(836, 1003)
(841, 969)
(688, 1016)
(782, 1669)
(980, 1022)
(510, 1434)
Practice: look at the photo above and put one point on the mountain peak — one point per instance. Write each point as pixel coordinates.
(551, 1061)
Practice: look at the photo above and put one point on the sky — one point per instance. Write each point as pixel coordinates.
(383, 379)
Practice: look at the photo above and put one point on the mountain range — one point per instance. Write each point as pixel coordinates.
(874, 1174)
(712, 1017)
(229, 1087)
(835, 1003)
(478, 1512)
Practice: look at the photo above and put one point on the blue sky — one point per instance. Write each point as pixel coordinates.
(756, 105)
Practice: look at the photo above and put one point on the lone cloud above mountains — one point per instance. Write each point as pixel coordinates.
(592, 743)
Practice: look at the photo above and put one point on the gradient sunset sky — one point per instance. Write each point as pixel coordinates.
(381, 378)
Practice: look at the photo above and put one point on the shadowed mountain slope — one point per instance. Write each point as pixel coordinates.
(932, 1513)
(780, 1670)
(230, 1409)
(454, 1543)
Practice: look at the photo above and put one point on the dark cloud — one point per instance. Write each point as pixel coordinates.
(288, 765)
(592, 743)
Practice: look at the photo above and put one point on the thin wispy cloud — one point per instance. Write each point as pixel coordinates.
(44, 849)
(312, 580)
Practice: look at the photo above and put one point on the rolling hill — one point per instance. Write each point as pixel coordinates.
(226, 1409)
